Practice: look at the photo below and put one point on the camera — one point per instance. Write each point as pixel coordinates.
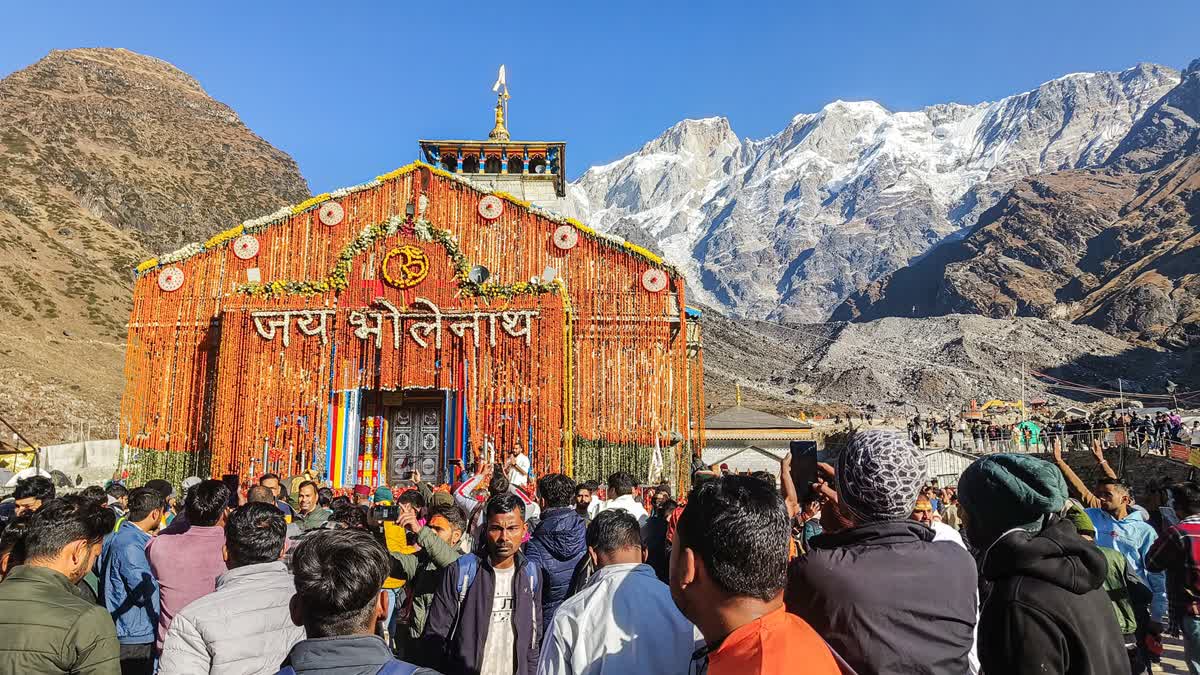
(383, 513)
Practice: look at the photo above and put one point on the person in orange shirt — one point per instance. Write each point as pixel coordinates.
(728, 569)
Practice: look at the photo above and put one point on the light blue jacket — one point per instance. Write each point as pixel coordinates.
(1132, 536)
(127, 586)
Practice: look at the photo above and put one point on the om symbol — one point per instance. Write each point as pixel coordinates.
(405, 266)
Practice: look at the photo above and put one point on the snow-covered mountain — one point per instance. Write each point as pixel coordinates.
(786, 227)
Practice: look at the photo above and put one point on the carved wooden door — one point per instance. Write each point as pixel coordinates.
(416, 442)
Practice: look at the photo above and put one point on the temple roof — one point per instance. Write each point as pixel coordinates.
(741, 417)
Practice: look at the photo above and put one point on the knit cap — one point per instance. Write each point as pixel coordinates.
(1011, 490)
(441, 499)
(879, 476)
(1075, 513)
(383, 493)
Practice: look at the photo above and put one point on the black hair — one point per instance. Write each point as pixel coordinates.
(38, 487)
(498, 484)
(582, 486)
(766, 477)
(413, 498)
(739, 527)
(142, 501)
(1186, 497)
(269, 476)
(12, 541)
(591, 485)
(557, 489)
(324, 496)
(95, 493)
(64, 520)
(505, 502)
(351, 516)
(163, 486)
(666, 508)
(1115, 482)
(260, 494)
(338, 574)
(116, 491)
(614, 530)
(206, 502)
(452, 513)
(309, 483)
(255, 533)
(339, 502)
(621, 483)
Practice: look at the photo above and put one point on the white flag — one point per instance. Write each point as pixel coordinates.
(654, 475)
(500, 81)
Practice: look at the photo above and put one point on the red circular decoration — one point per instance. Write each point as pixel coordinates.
(654, 280)
(331, 213)
(170, 279)
(245, 247)
(490, 207)
(566, 237)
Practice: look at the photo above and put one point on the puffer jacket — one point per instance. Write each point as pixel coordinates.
(344, 655)
(557, 544)
(49, 628)
(243, 627)
(888, 598)
(1045, 611)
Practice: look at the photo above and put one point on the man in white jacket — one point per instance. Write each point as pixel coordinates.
(623, 621)
(245, 625)
(620, 496)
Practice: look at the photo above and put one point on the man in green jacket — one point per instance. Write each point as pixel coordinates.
(437, 547)
(47, 626)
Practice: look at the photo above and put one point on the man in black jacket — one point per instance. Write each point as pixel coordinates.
(487, 615)
(558, 542)
(875, 585)
(1044, 611)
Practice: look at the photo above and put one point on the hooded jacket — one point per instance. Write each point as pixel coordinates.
(342, 655)
(1133, 537)
(888, 598)
(456, 635)
(1045, 612)
(557, 544)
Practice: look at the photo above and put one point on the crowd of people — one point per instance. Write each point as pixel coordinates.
(871, 568)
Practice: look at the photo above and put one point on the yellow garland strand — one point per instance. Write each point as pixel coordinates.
(238, 230)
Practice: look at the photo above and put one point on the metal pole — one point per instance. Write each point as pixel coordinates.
(36, 454)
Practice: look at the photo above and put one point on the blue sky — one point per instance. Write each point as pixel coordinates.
(348, 88)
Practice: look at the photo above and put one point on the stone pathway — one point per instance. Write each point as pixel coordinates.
(1172, 658)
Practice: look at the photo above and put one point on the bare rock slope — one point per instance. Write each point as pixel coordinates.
(105, 157)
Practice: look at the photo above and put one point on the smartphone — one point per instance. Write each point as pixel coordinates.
(804, 467)
(231, 481)
(384, 512)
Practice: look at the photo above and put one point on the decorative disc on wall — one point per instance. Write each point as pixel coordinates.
(331, 213)
(170, 279)
(245, 247)
(405, 266)
(566, 237)
(490, 207)
(654, 280)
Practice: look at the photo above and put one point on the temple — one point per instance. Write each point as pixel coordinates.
(534, 171)
(427, 319)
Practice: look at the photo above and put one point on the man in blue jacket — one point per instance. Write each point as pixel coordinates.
(127, 585)
(558, 543)
(486, 616)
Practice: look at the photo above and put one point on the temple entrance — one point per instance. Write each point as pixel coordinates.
(415, 440)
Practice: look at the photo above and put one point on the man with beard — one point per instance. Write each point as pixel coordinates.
(48, 627)
(487, 615)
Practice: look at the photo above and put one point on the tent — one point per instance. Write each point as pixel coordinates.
(1035, 431)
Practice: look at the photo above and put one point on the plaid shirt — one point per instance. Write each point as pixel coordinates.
(1178, 552)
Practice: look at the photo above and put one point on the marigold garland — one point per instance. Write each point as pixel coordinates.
(258, 224)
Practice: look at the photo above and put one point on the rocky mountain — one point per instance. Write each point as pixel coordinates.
(1117, 247)
(788, 226)
(105, 157)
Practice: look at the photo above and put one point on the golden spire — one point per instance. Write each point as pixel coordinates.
(739, 394)
(500, 131)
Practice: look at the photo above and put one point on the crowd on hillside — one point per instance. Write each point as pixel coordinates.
(872, 568)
